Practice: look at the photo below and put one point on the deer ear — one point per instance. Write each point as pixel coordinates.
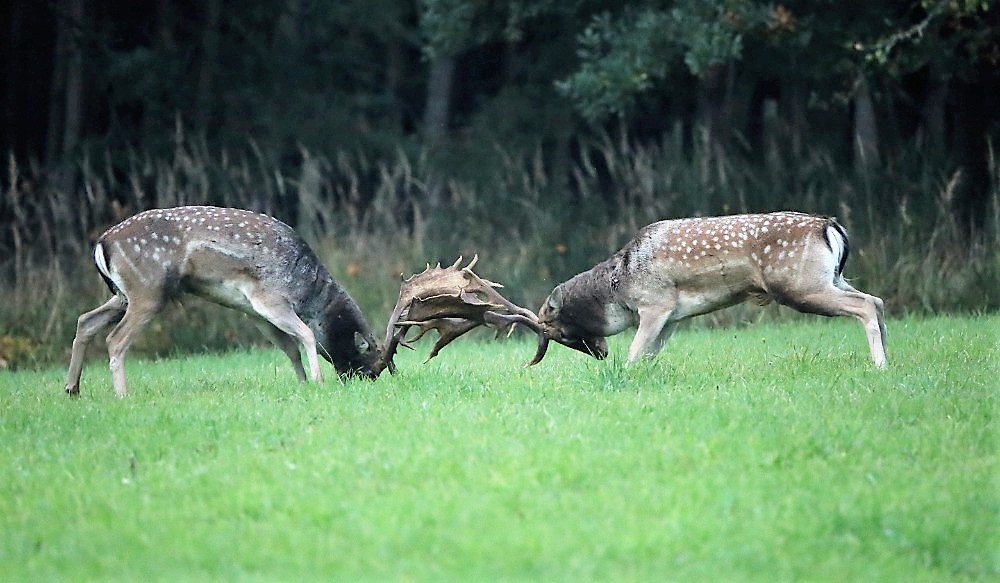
(360, 343)
(555, 300)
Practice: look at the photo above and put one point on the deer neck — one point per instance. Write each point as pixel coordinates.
(329, 309)
(335, 319)
(592, 300)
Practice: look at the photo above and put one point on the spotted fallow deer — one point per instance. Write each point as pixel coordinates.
(239, 259)
(676, 269)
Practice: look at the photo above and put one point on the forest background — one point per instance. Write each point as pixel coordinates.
(539, 133)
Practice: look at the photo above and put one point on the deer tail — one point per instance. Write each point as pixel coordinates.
(836, 238)
(101, 260)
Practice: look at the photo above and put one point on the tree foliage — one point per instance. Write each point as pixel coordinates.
(359, 75)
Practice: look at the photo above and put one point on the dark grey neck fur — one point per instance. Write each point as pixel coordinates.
(334, 318)
(588, 295)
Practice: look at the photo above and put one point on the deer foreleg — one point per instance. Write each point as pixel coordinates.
(89, 325)
(653, 331)
(284, 318)
(286, 343)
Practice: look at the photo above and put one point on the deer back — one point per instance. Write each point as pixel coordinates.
(714, 262)
(207, 250)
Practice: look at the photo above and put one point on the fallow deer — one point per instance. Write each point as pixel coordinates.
(236, 258)
(676, 269)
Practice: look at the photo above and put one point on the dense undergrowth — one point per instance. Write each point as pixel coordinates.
(532, 226)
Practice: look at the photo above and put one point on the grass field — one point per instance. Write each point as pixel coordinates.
(773, 452)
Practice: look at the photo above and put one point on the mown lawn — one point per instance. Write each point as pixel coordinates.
(774, 452)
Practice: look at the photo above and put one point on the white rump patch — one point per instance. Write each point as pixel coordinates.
(101, 260)
(837, 244)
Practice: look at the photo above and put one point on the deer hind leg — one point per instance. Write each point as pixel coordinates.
(283, 317)
(286, 343)
(654, 330)
(879, 313)
(89, 325)
(840, 301)
(138, 313)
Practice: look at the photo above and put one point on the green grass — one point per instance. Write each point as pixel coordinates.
(768, 453)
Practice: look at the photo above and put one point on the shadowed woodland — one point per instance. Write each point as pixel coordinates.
(538, 134)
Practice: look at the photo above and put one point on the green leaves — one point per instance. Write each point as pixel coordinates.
(451, 26)
(623, 55)
(620, 57)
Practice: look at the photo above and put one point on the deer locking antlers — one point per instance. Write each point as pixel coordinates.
(670, 271)
(453, 301)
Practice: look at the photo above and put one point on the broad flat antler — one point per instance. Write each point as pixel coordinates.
(453, 301)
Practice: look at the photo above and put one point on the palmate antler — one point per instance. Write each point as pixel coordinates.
(453, 301)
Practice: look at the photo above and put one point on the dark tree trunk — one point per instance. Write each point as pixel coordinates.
(793, 113)
(209, 63)
(66, 96)
(760, 117)
(73, 116)
(393, 78)
(164, 45)
(932, 114)
(438, 109)
(57, 104)
(13, 73)
(711, 111)
(973, 113)
(865, 129)
(436, 115)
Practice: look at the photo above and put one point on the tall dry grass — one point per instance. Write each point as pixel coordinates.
(372, 220)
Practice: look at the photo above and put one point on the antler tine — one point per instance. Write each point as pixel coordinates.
(448, 329)
(531, 321)
(452, 301)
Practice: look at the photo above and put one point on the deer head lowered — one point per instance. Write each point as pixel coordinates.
(452, 301)
(674, 270)
(236, 258)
